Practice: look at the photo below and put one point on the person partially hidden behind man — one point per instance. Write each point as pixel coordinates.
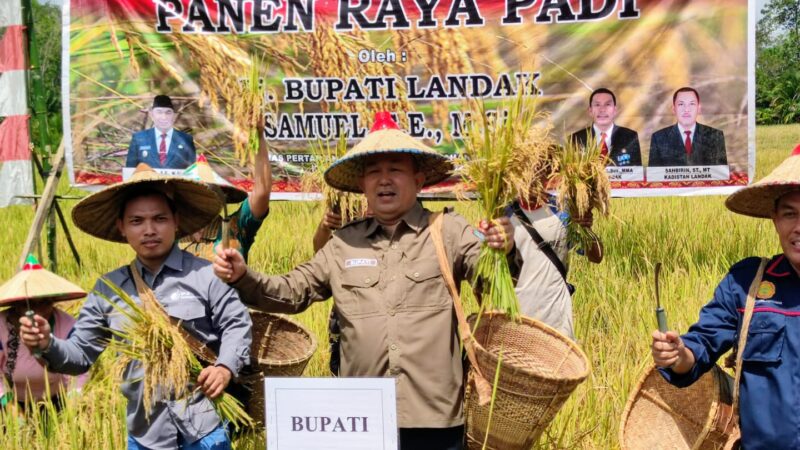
(767, 290)
(620, 144)
(161, 147)
(150, 213)
(687, 143)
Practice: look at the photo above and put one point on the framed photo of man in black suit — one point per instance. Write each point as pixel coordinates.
(620, 144)
(687, 143)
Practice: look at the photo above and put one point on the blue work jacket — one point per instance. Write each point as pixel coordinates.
(770, 382)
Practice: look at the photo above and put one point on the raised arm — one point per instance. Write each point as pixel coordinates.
(290, 293)
(262, 179)
(75, 354)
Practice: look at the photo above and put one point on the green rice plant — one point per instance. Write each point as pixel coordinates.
(502, 154)
(613, 305)
(495, 383)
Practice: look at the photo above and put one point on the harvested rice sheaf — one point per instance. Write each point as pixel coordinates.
(503, 156)
(167, 360)
(582, 186)
(349, 205)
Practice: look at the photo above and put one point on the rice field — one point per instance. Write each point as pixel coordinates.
(695, 238)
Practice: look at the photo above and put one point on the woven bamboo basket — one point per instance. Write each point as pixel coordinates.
(661, 416)
(540, 369)
(281, 348)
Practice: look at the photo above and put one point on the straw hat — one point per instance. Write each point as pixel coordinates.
(201, 171)
(758, 199)
(196, 204)
(386, 137)
(35, 283)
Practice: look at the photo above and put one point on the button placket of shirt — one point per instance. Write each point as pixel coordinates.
(393, 259)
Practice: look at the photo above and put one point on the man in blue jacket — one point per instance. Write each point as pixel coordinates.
(161, 147)
(770, 386)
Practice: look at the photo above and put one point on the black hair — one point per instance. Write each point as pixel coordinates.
(134, 192)
(602, 91)
(685, 89)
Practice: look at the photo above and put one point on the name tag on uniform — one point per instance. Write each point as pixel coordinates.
(144, 147)
(360, 262)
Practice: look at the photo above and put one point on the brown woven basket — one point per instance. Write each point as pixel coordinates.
(659, 415)
(281, 348)
(540, 369)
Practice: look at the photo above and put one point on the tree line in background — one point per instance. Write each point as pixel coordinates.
(777, 63)
(47, 30)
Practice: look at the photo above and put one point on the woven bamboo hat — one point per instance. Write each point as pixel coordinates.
(758, 199)
(196, 204)
(34, 283)
(386, 137)
(201, 171)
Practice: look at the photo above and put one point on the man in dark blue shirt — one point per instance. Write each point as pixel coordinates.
(770, 385)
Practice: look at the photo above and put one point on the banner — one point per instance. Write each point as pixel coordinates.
(16, 172)
(331, 64)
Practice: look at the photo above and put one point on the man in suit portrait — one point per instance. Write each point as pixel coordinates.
(161, 147)
(620, 144)
(687, 143)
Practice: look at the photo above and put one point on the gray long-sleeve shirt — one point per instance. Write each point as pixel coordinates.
(208, 308)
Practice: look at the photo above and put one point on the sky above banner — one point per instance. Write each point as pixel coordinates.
(326, 66)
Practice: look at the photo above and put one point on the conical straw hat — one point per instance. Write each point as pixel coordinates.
(386, 137)
(196, 204)
(758, 199)
(201, 171)
(36, 283)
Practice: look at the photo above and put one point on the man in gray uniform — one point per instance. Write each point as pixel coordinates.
(149, 212)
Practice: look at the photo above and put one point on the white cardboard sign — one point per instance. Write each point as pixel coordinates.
(688, 173)
(330, 413)
(625, 173)
(127, 172)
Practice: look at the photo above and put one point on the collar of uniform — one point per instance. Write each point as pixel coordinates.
(174, 261)
(416, 218)
(779, 266)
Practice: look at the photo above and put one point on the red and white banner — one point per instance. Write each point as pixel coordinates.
(10, 13)
(16, 176)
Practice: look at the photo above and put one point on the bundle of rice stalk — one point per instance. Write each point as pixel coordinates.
(349, 205)
(579, 172)
(247, 112)
(244, 101)
(501, 157)
(168, 362)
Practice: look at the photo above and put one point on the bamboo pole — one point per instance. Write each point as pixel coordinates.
(45, 204)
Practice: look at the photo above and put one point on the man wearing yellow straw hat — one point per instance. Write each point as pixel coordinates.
(394, 307)
(33, 290)
(150, 212)
(761, 297)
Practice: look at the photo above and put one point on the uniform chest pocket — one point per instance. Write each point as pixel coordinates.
(765, 338)
(359, 295)
(189, 310)
(426, 284)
